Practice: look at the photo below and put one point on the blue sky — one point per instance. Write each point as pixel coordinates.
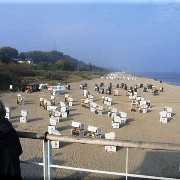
(134, 36)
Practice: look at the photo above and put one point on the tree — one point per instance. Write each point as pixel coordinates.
(43, 66)
(22, 56)
(36, 56)
(83, 67)
(64, 65)
(8, 53)
(59, 65)
(90, 67)
(53, 56)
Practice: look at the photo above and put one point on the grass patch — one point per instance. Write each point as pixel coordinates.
(52, 78)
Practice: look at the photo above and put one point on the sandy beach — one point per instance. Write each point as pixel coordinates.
(139, 127)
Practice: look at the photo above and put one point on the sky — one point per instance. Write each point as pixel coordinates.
(133, 36)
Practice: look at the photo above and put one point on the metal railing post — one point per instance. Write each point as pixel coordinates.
(47, 159)
(126, 163)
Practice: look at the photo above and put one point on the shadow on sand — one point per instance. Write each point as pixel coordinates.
(159, 163)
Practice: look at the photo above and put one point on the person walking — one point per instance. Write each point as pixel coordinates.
(10, 148)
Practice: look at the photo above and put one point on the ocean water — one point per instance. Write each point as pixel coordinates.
(168, 77)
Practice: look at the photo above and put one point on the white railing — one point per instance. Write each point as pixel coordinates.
(47, 152)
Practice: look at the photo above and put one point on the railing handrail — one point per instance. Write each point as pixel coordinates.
(103, 142)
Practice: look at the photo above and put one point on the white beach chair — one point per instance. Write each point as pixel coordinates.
(110, 135)
(163, 117)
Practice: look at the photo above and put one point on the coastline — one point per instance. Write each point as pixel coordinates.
(165, 77)
(139, 127)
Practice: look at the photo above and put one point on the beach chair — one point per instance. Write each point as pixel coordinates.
(155, 92)
(8, 113)
(143, 107)
(90, 98)
(109, 101)
(62, 104)
(53, 102)
(55, 144)
(163, 117)
(117, 121)
(145, 89)
(134, 106)
(53, 121)
(115, 125)
(161, 89)
(50, 128)
(23, 118)
(110, 135)
(168, 110)
(45, 103)
(24, 113)
(19, 99)
(123, 117)
(78, 129)
(94, 132)
(41, 101)
(116, 92)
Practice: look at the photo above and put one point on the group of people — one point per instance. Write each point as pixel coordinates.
(10, 148)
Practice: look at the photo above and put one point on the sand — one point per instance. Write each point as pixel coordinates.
(139, 127)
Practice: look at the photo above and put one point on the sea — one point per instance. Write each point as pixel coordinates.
(172, 78)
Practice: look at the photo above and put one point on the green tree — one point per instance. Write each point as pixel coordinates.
(22, 56)
(53, 56)
(7, 54)
(59, 65)
(36, 56)
(43, 66)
